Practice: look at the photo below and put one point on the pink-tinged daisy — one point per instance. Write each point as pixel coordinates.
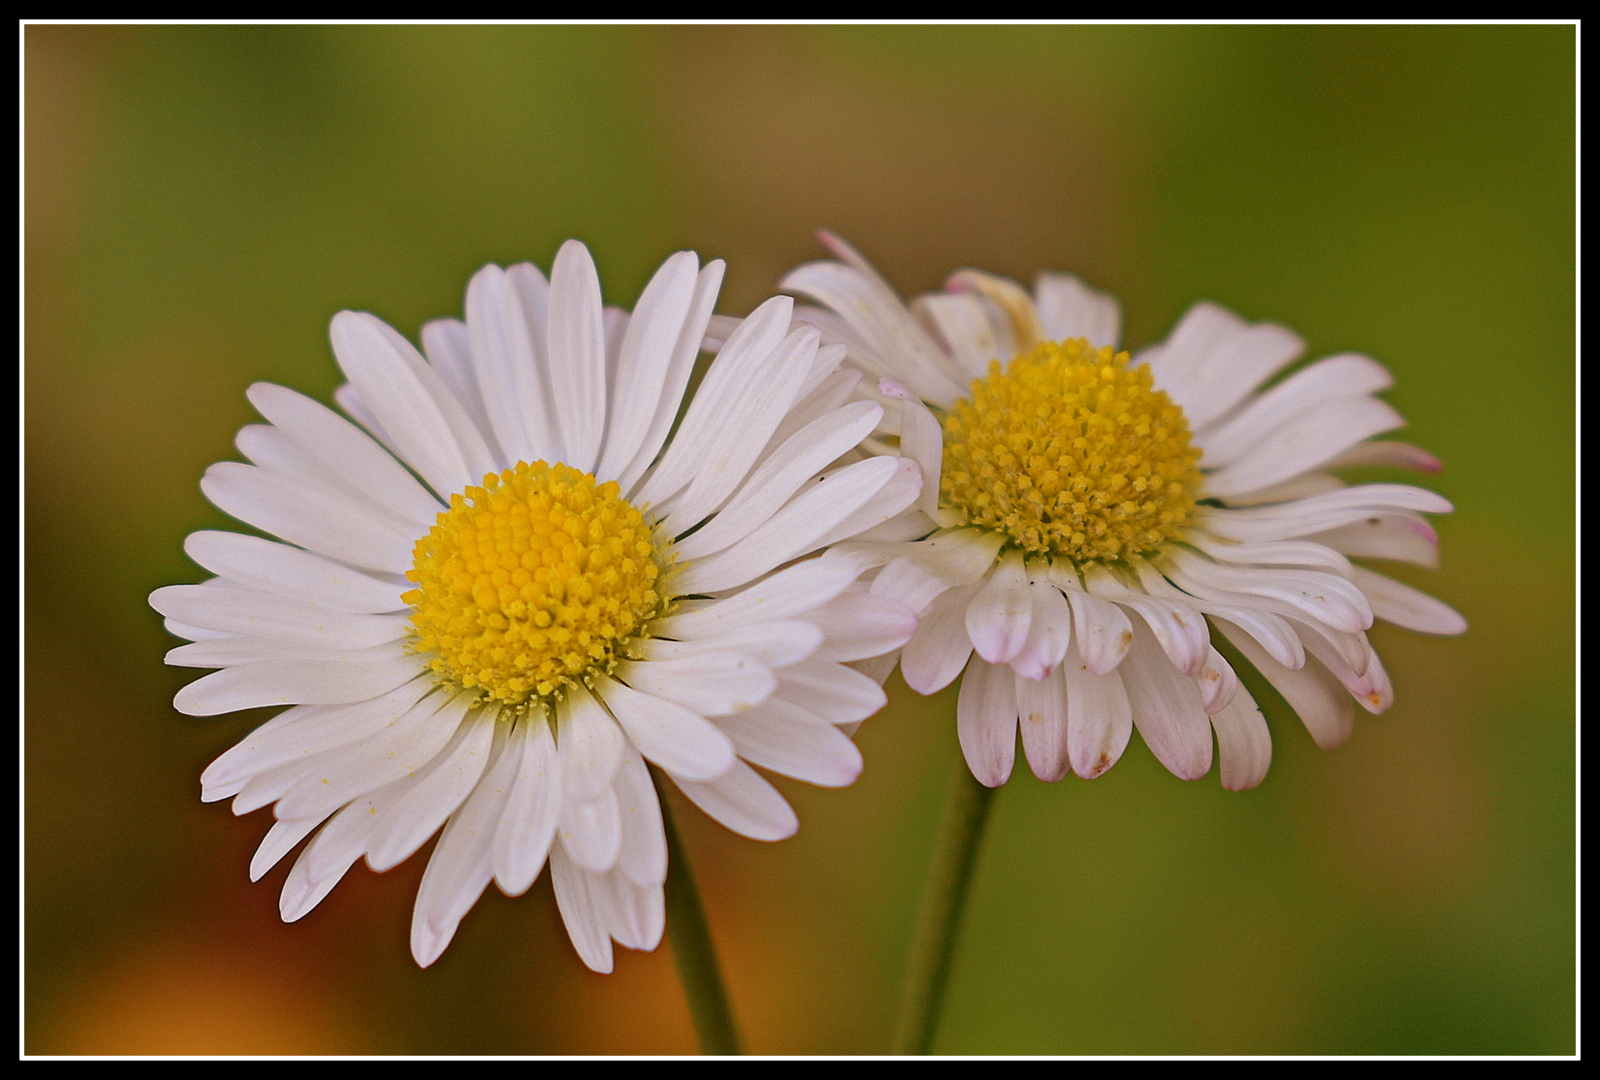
(503, 590)
(1088, 520)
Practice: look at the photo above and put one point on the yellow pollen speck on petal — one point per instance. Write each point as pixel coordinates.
(1070, 452)
(519, 570)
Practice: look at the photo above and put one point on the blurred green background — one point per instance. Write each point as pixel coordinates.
(199, 202)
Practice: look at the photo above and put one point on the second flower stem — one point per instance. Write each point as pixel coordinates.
(960, 836)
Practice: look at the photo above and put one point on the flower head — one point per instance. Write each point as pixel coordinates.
(1089, 518)
(504, 590)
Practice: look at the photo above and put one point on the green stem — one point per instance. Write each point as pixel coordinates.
(948, 884)
(696, 957)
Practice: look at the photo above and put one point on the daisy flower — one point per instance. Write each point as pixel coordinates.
(503, 590)
(1085, 515)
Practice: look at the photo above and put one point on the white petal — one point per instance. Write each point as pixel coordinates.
(193, 633)
(1049, 632)
(986, 722)
(591, 746)
(278, 842)
(1369, 686)
(347, 678)
(577, 355)
(591, 832)
(1344, 376)
(681, 742)
(1392, 455)
(804, 524)
(448, 346)
(307, 517)
(461, 865)
(921, 440)
(858, 625)
(828, 395)
(676, 376)
(1179, 627)
(1217, 681)
(1214, 359)
(1302, 486)
(836, 693)
(775, 644)
(1042, 712)
(614, 321)
(877, 669)
(1303, 443)
(1401, 537)
(286, 571)
(431, 431)
(430, 797)
(1102, 631)
(1070, 309)
(1314, 695)
(961, 323)
(643, 858)
(347, 451)
(262, 788)
(533, 807)
(1099, 718)
(733, 412)
(1272, 553)
(346, 397)
(302, 733)
(1271, 630)
(888, 514)
(1243, 743)
(1166, 709)
(235, 649)
(945, 561)
(792, 591)
(336, 848)
(582, 910)
(1318, 513)
(1009, 308)
(277, 453)
(403, 747)
(236, 763)
(941, 646)
(744, 802)
(1325, 597)
(787, 739)
(999, 616)
(1350, 650)
(1404, 606)
(746, 396)
(636, 914)
(883, 325)
(505, 322)
(260, 614)
(644, 359)
(1382, 695)
(711, 684)
(782, 474)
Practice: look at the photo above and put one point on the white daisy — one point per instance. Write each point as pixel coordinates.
(1085, 514)
(494, 605)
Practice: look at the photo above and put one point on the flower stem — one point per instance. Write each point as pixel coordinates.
(942, 904)
(696, 957)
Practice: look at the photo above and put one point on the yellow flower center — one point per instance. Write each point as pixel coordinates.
(532, 583)
(1070, 453)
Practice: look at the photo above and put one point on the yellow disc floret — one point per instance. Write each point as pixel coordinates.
(1069, 452)
(532, 583)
